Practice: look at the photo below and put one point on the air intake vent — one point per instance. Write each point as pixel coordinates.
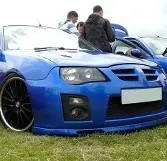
(117, 109)
(128, 78)
(123, 71)
(149, 71)
(126, 74)
(150, 74)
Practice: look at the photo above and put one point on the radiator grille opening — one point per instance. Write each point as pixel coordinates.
(126, 74)
(123, 71)
(128, 78)
(117, 109)
(151, 78)
(132, 75)
(150, 74)
(149, 71)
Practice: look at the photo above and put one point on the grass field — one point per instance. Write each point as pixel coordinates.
(146, 145)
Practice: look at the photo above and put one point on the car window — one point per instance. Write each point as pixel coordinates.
(156, 45)
(30, 37)
(137, 43)
(122, 47)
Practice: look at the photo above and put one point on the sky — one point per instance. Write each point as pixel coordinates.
(140, 17)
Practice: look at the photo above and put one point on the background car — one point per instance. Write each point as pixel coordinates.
(53, 82)
(119, 30)
(149, 48)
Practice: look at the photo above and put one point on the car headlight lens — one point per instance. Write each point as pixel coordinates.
(81, 75)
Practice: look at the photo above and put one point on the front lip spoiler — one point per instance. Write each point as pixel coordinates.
(117, 129)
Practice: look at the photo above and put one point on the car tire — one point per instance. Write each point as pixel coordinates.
(15, 106)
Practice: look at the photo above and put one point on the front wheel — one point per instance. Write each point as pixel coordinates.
(15, 106)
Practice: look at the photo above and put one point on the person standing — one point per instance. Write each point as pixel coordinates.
(80, 27)
(98, 31)
(69, 24)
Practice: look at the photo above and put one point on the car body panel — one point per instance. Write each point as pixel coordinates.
(23, 64)
(55, 124)
(87, 58)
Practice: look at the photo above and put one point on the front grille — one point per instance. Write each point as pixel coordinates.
(150, 74)
(128, 78)
(126, 74)
(117, 109)
(151, 77)
(123, 71)
(149, 71)
(132, 75)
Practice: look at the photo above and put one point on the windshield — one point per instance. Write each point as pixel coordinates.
(156, 45)
(30, 37)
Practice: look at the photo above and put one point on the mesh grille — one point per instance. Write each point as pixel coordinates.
(116, 109)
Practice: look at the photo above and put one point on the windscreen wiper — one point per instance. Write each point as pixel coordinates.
(52, 48)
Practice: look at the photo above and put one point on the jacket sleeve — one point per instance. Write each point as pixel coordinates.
(84, 33)
(109, 32)
(72, 28)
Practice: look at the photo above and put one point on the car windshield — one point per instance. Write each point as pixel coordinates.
(34, 37)
(156, 45)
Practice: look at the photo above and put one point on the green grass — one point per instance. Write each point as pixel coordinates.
(145, 145)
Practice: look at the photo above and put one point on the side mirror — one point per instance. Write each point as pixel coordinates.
(136, 53)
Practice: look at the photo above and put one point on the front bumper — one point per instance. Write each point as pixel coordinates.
(112, 129)
(47, 107)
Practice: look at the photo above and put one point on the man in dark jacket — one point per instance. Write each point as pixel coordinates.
(98, 31)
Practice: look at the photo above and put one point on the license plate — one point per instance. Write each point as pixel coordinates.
(129, 96)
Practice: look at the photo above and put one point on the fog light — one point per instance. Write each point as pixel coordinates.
(76, 101)
(75, 108)
(78, 113)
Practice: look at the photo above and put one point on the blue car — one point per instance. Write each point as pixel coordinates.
(149, 48)
(119, 30)
(55, 83)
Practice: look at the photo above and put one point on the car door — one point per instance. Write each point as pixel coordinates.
(139, 44)
(123, 47)
(119, 46)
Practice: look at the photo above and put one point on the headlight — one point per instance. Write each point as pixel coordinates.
(81, 75)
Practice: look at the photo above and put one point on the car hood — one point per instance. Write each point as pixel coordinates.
(89, 58)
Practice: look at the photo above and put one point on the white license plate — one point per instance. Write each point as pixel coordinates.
(129, 96)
